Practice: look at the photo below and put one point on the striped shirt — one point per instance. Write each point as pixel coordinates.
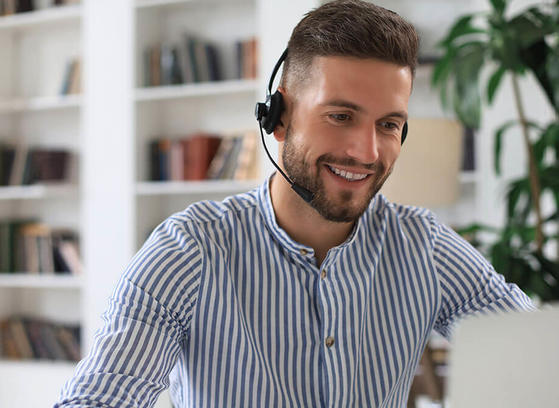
(224, 307)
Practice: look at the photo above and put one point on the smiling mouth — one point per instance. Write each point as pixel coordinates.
(347, 175)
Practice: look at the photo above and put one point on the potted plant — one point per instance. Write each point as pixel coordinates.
(525, 249)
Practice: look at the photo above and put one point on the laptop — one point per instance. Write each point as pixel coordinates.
(506, 361)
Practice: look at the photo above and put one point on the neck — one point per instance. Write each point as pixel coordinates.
(302, 223)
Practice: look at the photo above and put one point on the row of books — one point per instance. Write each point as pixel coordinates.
(26, 338)
(71, 82)
(32, 247)
(9, 7)
(21, 165)
(199, 60)
(203, 156)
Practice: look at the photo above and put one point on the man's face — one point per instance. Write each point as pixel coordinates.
(343, 132)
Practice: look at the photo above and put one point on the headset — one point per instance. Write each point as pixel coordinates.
(268, 115)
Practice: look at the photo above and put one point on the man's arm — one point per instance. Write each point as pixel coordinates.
(147, 320)
(469, 283)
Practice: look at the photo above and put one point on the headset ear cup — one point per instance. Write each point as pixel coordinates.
(272, 118)
(404, 132)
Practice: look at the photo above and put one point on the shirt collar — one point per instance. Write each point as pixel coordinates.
(265, 203)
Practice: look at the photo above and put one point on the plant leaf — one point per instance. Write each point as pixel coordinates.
(443, 67)
(552, 68)
(459, 28)
(529, 27)
(499, 144)
(499, 5)
(494, 83)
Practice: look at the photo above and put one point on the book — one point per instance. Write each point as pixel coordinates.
(147, 67)
(155, 66)
(20, 338)
(32, 338)
(75, 80)
(186, 63)
(70, 253)
(217, 165)
(176, 70)
(247, 163)
(48, 336)
(18, 168)
(214, 63)
(23, 6)
(166, 64)
(9, 347)
(199, 151)
(231, 161)
(177, 161)
(33, 328)
(7, 156)
(9, 7)
(67, 78)
(69, 342)
(164, 146)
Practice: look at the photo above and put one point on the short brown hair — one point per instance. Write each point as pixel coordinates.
(350, 28)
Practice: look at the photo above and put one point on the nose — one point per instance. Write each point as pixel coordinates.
(363, 145)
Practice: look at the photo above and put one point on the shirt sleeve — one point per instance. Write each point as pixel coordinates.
(469, 284)
(147, 321)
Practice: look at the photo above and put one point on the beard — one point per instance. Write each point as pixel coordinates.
(345, 206)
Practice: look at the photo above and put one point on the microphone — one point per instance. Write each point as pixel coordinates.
(304, 193)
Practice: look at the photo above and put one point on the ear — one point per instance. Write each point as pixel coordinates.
(285, 118)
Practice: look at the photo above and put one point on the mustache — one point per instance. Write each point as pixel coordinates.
(348, 161)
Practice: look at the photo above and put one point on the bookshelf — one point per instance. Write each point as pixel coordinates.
(35, 48)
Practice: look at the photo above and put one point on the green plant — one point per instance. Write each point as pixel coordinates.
(512, 46)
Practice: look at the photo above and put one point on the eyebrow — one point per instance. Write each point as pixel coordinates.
(350, 105)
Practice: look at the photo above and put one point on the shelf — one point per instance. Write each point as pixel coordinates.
(37, 192)
(31, 281)
(195, 90)
(9, 365)
(41, 17)
(42, 103)
(142, 4)
(157, 188)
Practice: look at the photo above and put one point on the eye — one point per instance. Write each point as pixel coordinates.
(390, 125)
(340, 117)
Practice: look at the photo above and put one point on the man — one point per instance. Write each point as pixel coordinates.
(267, 300)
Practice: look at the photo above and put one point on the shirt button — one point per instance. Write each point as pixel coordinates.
(323, 274)
(303, 252)
(329, 342)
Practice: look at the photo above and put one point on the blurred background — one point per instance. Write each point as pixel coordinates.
(115, 114)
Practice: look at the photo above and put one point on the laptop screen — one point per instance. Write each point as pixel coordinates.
(506, 361)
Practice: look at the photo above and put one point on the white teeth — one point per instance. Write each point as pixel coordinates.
(347, 175)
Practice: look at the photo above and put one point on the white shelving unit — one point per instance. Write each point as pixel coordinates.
(34, 49)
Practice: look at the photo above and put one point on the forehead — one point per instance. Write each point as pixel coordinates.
(370, 83)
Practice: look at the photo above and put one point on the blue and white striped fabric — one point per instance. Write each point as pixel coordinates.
(247, 318)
